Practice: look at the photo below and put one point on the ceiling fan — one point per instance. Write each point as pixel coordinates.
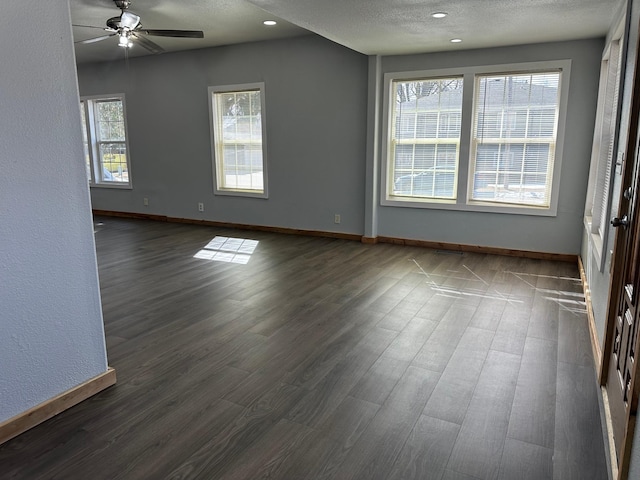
(127, 26)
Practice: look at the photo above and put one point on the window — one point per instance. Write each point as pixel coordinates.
(604, 144)
(514, 138)
(105, 141)
(239, 157)
(426, 137)
(476, 138)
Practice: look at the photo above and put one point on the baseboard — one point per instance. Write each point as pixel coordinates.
(558, 257)
(595, 344)
(612, 459)
(34, 416)
(239, 226)
(140, 216)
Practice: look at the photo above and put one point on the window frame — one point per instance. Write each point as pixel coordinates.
(90, 128)
(213, 126)
(601, 175)
(463, 200)
(395, 141)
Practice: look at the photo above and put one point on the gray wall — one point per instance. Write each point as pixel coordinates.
(51, 327)
(315, 110)
(320, 115)
(560, 234)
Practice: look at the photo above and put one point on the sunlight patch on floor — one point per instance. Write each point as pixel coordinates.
(228, 250)
(569, 301)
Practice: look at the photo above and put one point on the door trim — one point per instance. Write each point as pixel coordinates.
(616, 281)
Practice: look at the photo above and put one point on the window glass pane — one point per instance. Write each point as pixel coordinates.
(514, 137)
(110, 120)
(242, 167)
(104, 138)
(113, 162)
(85, 140)
(238, 139)
(424, 143)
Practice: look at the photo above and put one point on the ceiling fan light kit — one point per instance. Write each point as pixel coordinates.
(127, 27)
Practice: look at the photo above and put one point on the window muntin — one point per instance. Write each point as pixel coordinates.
(238, 140)
(105, 141)
(514, 138)
(425, 138)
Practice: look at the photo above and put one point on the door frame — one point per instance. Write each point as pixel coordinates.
(630, 174)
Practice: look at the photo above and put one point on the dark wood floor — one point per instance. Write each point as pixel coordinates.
(327, 359)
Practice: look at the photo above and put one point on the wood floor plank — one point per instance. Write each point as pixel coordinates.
(574, 343)
(533, 412)
(578, 445)
(426, 452)
(254, 370)
(268, 457)
(452, 395)
(511, 334)
(322, 400)
(525, 461)
(453, 475)
(216, 455)
(478, 449)
(374, 454)
(438, 349)
(322, 454)
(376, 385)
(411, 339)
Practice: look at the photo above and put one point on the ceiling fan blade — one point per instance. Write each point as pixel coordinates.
(97, 39)
(88, 26)
(174, 33)
(147, 44)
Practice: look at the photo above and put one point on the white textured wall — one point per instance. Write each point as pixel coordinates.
(51, 330)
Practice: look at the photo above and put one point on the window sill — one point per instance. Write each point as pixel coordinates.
(114, 186)
(596, 245)
(241, 193)
(469, 207)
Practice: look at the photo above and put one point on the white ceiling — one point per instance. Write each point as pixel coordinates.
(384, 27)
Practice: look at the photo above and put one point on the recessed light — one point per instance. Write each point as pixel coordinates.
(439, 14)
(455, 40)
(269, 23)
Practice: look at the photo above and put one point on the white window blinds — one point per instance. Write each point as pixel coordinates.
(514, 138)
(425, 138)
(605, 138)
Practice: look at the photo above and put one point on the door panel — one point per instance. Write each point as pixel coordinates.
(620, 373)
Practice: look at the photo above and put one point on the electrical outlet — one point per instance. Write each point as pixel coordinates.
(336, 218)
(201, 207)
(145, 201)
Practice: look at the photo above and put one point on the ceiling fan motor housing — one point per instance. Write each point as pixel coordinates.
(122, 4)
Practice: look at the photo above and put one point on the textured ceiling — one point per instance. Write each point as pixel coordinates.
(368, 26)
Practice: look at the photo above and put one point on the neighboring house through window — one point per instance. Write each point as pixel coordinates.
(104, 133)
(478, 138)
(238, 140)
